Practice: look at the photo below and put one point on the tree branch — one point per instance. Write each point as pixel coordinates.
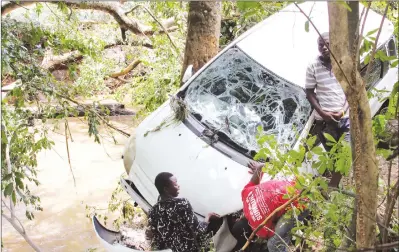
(9, 166)
(55, 62)
(67, 149)
(360, 36)
(22, 227)
(87, 108)
(391, 200)
(283, 206)
(21, 231)
(161, 25)
(8, 7)
(376, 42)
(134, 43)
(115, 11)
(126, 70)
(285, 244)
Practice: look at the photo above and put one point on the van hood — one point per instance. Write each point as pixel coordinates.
(209, 179)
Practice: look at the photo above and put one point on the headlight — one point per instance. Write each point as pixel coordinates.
(129, 153)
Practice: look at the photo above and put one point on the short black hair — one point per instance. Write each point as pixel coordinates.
(162, 180)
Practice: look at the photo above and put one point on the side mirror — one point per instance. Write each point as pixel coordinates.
(188, 73)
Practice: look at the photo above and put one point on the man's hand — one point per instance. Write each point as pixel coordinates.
(254, 166)
(148, 233)
(211, 217)
(330, 116)
(338, 115)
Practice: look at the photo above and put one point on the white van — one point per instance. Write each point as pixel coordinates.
(257, 80)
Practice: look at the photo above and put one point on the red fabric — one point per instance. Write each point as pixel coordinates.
(261, 200)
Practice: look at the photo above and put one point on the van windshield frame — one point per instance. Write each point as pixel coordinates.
(236, 96)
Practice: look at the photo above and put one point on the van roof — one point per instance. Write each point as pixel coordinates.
(281, 44)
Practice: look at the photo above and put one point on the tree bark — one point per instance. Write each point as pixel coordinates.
(203, 31)
(364, 158)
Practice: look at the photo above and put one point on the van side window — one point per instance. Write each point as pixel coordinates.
(379, 68)
(391, 48)
(375, 74)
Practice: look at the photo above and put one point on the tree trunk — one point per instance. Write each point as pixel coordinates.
(203, 31)
(364, 158)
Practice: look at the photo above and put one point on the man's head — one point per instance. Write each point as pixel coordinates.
(321, 42)
(166, 184)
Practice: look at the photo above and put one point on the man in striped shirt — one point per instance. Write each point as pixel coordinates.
(326, 96)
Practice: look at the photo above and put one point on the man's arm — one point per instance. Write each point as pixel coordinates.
(257, 172)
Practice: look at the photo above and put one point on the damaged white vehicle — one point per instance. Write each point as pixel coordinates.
(258, 80)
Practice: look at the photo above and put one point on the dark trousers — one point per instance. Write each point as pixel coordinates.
(278, 242)
(336, 130)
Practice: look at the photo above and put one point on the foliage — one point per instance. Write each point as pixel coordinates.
(152, 90)
(327, 215)
(239, 16)
(24, 45)
(119, 203)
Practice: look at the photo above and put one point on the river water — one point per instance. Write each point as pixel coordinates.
(63, 225)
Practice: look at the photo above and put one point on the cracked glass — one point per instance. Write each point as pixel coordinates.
(235, 95)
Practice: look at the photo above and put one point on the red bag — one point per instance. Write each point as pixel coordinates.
(261, 200)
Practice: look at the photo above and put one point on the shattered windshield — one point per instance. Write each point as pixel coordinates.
(235, 95)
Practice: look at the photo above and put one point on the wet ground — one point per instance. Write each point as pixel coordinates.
(63, 225)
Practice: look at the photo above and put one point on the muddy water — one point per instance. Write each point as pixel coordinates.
(63, 225)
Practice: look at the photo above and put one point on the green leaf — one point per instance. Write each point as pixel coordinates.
(19, 183)
(395, 63)
(372, 32)
(301, 180)
(367, 59)
(307, 26)
(7, 176)
(9, 189)
(318, 150)
(310, 141)
(329, 138)
(245, 5)
(322, 169)
(344, 4)
(19, 175)
(14, 197)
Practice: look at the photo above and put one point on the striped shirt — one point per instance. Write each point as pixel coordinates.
(329, 92)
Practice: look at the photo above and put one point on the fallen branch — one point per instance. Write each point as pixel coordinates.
(8, 7)
(86, 108)
(126, 70)
(112, 9)
(134, 43)
(115, 11)
(283, 206)
(52, 63)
